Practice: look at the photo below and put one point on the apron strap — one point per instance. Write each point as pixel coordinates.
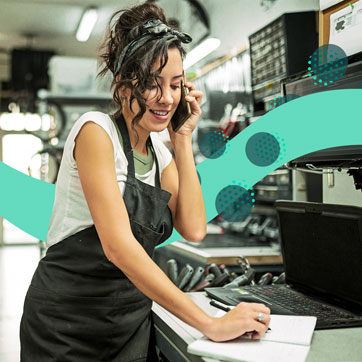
(157, 176)
(121, 124)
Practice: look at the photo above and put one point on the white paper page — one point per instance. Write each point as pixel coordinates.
(291, 329)
(250, 351)
(287, 329)
(346, 28)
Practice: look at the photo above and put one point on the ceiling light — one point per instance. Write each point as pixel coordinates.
(86, 24)
(199, 52)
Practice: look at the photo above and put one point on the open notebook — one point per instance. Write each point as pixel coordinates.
(288, 340)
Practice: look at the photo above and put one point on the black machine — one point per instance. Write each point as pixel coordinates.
(279, 50)
(322, 256)
(345, 156)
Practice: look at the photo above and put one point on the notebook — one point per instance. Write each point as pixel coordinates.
(289, 340)
(322, 255)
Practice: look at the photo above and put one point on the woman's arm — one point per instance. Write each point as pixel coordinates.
(94, 155)
(181, 180)
(186, 203)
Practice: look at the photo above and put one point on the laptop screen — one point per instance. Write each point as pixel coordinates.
(322, 247)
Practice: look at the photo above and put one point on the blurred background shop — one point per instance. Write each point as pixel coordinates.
(251, 56)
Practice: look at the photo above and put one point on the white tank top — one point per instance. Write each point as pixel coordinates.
(70, 210)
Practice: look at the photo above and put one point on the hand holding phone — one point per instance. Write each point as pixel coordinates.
(183, 110)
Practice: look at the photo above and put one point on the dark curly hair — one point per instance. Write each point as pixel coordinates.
(125, 26)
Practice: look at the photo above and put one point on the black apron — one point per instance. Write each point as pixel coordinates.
(80, 307)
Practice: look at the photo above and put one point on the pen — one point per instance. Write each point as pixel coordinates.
(220, 306)
(215, 304)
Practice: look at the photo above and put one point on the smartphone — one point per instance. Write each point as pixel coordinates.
(183, 111)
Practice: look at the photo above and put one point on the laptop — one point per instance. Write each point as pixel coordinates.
(322, 255)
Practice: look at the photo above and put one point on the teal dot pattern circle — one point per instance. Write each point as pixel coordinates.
(327, 64)
(278, 101)
(282, 145)
(234, 203)
(212, 144)
(262, 149)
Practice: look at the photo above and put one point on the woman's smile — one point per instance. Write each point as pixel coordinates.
(160, 115)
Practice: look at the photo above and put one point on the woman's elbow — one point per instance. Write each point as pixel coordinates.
(195, 236)
(110, 254)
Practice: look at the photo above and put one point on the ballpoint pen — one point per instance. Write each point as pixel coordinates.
(223, 307)
(219, 305)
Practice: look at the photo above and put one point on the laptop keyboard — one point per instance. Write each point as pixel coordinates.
(297, 303)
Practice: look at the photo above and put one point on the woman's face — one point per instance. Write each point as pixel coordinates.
(159, 110)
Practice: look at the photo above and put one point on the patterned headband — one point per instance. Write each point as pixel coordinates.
(153, 29)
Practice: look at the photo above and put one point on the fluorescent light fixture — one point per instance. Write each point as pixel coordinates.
(19, 121)
(203, 49)
(86, 24)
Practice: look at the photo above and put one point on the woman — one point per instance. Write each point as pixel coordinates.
(90, 297)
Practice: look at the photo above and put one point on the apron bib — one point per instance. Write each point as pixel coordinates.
(80, 307)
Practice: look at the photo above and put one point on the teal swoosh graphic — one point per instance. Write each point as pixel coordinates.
(26, 201)
(307, 124)
(304, 125)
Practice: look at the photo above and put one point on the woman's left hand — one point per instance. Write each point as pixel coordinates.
(194, 98)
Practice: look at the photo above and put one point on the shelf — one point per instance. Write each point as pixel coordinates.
(76, 98)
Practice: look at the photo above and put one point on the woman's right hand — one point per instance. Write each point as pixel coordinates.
(240, 320)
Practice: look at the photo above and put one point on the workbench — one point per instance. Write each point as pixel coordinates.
(173, 336)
